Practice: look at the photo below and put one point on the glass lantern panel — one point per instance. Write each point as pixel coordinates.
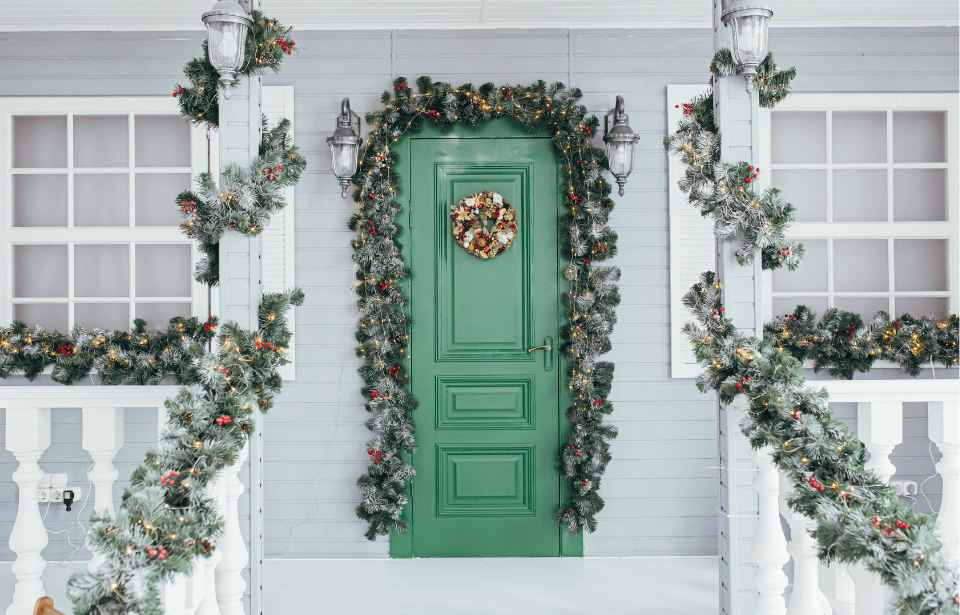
(40, 141)
(225, 42)
(40, 200)
(751, 39)
(101, 199)
(620, 156)
(161, 141)
(344, 159)
(100, 141)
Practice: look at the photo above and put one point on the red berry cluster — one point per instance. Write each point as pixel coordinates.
(813, 483)
(576, 450)
(885, 529)
(169, 478)
(574, 199)
(755, 172)
(896, 325)
(788, 251)
(797, 415)
(601, 247)
(850, 331)
(384, 285)
(585, 129)
(66, 349)
(224, 370)
(374, 394)
(506, 94)
(188, 206)
(285, 45)
(433, 113)
(274, 171)
(598, 401)
(717, 314)
(209, 325)
(261, 345)
(586, 484)
(790, 316)
(380, 159)
(402, 87)
(394, 371)
(586, 262)
(178, 92)
(160, 553)
(224, 419)
(687, 108)
(370, 228)
(743, 382)
(378, 457)
(548, 105)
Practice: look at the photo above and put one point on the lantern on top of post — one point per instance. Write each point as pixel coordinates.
(227, 25)
(620, 140)
(748, 29)
(345, 145)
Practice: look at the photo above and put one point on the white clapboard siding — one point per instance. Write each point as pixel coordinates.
(692, 247)
(277, 256)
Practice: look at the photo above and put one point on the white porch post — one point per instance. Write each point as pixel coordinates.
(769, 548)
(943, 418)
(102, 438)
(230, 583)
(27, 436)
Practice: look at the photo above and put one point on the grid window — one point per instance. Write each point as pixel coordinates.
(91, 233)
(874, 180)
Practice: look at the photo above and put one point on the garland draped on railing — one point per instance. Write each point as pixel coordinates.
(165, 519)
(859, 517)
(383, 331)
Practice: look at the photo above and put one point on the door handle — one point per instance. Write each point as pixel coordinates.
(548, 355)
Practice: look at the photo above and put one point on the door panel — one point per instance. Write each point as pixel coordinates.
(488, 420)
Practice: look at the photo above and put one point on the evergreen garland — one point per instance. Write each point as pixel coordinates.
(859, 517)
(383, 331)
(724, 191)
(841, 344)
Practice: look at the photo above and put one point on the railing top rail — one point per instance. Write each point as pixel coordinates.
(60, 396)
(943, 389)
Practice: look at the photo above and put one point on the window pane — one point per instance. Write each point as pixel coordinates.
(920, 195)
(860, 195)
(100, 141)
(811, 276)
(101, 270)
(865, 306)
(40, 271)
(163, 270)
(158, 315)
(806, 189)
(40, 200)
(798, 136)
(50, 316)
(859, 136)
(921, 264)
(40, 141)
(922, 306)
(162, 141)
(918, 136)
(860, 265)
(101, 199)
(155, 198)
(109, 316)
(786, 305)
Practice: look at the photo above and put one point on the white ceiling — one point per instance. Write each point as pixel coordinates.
(147, 15)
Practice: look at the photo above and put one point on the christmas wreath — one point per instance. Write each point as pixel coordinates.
(469, 224)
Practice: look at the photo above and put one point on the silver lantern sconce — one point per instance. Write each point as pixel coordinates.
(620, 140)
(748, 28)
(227, 25)
(345, 145)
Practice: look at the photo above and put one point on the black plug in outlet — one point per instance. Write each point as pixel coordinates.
(68, 498)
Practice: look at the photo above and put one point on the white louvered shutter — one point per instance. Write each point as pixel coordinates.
(277, 239)
(692, 246)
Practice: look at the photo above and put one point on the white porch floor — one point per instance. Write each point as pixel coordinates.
(554, 586)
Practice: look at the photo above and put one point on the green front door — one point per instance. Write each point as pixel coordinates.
(488, 424)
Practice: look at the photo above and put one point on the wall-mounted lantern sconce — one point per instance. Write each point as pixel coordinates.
(345, 145)
(227, 25)
(620, 141)
(748, 28)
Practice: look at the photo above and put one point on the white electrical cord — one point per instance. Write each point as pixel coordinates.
(68, 558)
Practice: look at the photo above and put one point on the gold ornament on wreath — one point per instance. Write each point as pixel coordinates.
(485, 224)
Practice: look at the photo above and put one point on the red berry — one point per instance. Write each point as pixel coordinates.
(748, 180)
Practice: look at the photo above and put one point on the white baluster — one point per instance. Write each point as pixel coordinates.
(806, 596)
(103, 439)
(943, 426)
(196, 584)
(880, 428)
(769, 549)
(173, 594)
(27, 436)
(208, 605)
(836, 582)
(230, 583)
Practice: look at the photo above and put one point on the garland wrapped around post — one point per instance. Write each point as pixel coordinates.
(859, 517)
(383, 331)
(166, 519)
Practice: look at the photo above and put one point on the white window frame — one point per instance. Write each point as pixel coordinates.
(948, 230)
(203, 151)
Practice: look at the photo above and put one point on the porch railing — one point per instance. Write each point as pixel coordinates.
(215, 587)
(852, 590)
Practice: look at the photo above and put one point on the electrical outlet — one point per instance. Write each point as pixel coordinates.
(43, 495)
(905, 488)
(56, 495)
